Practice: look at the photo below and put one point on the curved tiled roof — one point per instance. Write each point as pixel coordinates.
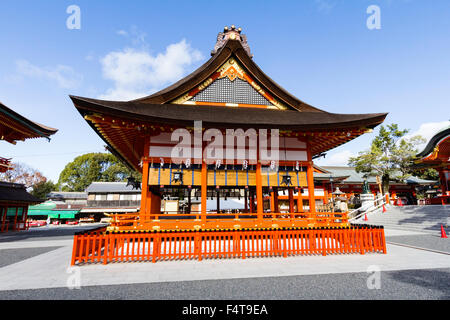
(434, 141)
(21, 127)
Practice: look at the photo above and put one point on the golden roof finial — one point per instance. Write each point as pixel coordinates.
(231, 33)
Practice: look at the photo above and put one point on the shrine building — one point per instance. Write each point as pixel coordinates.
(14, 199)
(226, 129)
(436, 155)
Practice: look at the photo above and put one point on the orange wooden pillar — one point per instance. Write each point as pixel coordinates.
(246, 200)
(145, 194)
(259, 193)
(291, 201)
(272, 201)
(276, 204)
(310, 179)
(204, 189)
(300, 201)
(251, 199)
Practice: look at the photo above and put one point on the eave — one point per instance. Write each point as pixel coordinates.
(15, 127)
(124, 125)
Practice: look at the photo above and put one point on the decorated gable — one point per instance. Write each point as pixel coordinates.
(230, 86)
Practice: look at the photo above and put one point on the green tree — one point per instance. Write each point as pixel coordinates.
(43, 188)
(427, 174)
(90, 167)
(389, 156)
(22, 173)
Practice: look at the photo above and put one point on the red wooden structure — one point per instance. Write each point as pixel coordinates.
(437, 155)
(101, 246)
(14, 199)
(227, 127)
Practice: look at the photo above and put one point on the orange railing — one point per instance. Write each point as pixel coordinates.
(100, 246)
(228, 220)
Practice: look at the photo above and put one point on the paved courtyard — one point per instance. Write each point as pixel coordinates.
(35, 265)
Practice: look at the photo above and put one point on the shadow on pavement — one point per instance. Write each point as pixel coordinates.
(47, 232)
(432, 279)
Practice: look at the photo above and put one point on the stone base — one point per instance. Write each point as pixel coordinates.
(367, 201)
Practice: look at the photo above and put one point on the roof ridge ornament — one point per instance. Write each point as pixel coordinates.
(233, 34)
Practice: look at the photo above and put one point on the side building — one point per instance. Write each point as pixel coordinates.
(14, 198)
(60, 207)
(350, 183)
(104, 198)
(436, 155)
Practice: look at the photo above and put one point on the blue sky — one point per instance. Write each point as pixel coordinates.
(319, 50)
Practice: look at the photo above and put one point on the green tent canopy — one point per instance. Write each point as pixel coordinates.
(48, 209)
(43, 206)
(49, 213)
(67, 214)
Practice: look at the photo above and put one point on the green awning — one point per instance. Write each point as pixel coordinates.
(69, 214)
(54, 214)
(48, 209)
(43, 206)
(39, 212)
(50, 213)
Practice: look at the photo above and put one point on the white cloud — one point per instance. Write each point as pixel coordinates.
(63, 75)
(135, 35)
(336, 159)
(428, 130)
(325, 5)
(137, 73)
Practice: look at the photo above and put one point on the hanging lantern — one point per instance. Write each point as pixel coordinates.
(245, 165)
(287, 180)
(177, 176)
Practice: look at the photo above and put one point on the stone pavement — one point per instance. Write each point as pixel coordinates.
(51, 269)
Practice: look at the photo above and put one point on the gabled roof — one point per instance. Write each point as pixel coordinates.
(232, 48)
(16, 193)
(15, 127)
(67, 195)
(110, 187)
(437, 151)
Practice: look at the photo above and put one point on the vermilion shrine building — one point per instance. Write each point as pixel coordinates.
(228, 92)
(437, 155)
(14, 199)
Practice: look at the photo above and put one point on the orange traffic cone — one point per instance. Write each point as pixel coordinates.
(399, 202)
(365, 217)
(443, 235)
(384, 209)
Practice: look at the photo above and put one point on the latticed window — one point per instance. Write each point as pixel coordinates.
(226, 91)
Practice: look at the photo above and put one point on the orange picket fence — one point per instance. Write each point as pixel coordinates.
(101, 246)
